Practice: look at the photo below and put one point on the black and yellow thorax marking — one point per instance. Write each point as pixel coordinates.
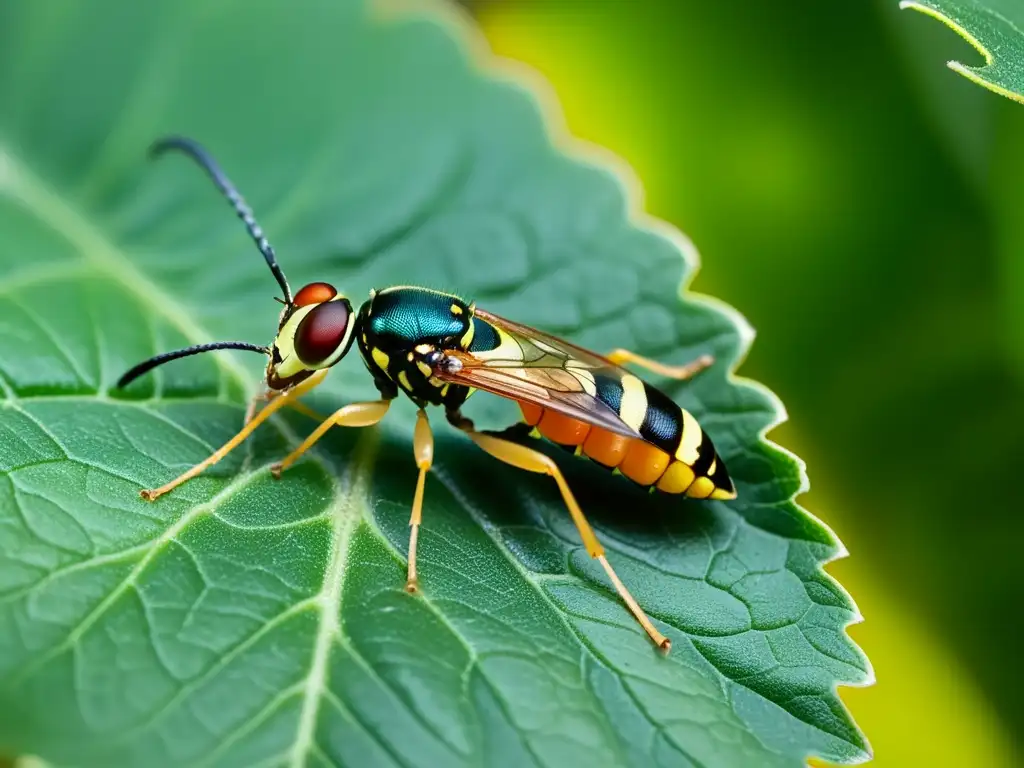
(399, 326)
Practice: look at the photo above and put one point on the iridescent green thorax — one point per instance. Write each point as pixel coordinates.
(399, 326)
(405, 317)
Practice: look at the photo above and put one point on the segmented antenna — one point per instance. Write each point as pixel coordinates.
(203, 158)
(147, 365)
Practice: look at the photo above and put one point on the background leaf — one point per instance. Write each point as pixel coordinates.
(996, 29)
(243, 621)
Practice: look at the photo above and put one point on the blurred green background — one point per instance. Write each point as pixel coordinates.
(859, 203)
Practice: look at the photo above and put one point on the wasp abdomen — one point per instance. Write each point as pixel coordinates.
(642, 462)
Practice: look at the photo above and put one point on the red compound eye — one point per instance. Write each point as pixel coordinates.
(322, 331)
(314, 293)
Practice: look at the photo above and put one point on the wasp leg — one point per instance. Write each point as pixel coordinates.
(305, 410)
(423, 449)
(352, 415)
(265, 397)
(457, 420)
(534, 461)
(622, 356)
(250, 426)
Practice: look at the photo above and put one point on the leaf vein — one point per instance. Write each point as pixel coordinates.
(75, 634)
(346, 512)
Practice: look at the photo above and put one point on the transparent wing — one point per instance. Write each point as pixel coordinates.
(534, 367)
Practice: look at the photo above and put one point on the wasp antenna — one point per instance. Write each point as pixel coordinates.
(147, 365)
(194, 150)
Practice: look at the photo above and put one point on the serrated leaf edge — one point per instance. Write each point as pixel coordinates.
(971, 73)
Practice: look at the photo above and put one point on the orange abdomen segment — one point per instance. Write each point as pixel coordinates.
(639, 461)
(562, 429)
(531, 413)
(644, 463)
(606, 448)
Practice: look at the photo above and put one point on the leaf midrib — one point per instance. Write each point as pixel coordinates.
(346, 512)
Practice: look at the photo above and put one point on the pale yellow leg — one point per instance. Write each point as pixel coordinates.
(423, 450)
(623, 356)
(265, 397)
(300, 407)
(250, 426)
(534, 461)
(352, 415)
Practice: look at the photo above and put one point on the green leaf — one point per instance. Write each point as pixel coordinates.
(996, 29)
(243, 621)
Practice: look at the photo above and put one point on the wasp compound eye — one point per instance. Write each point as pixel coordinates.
(315, 293)
(322, 331)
